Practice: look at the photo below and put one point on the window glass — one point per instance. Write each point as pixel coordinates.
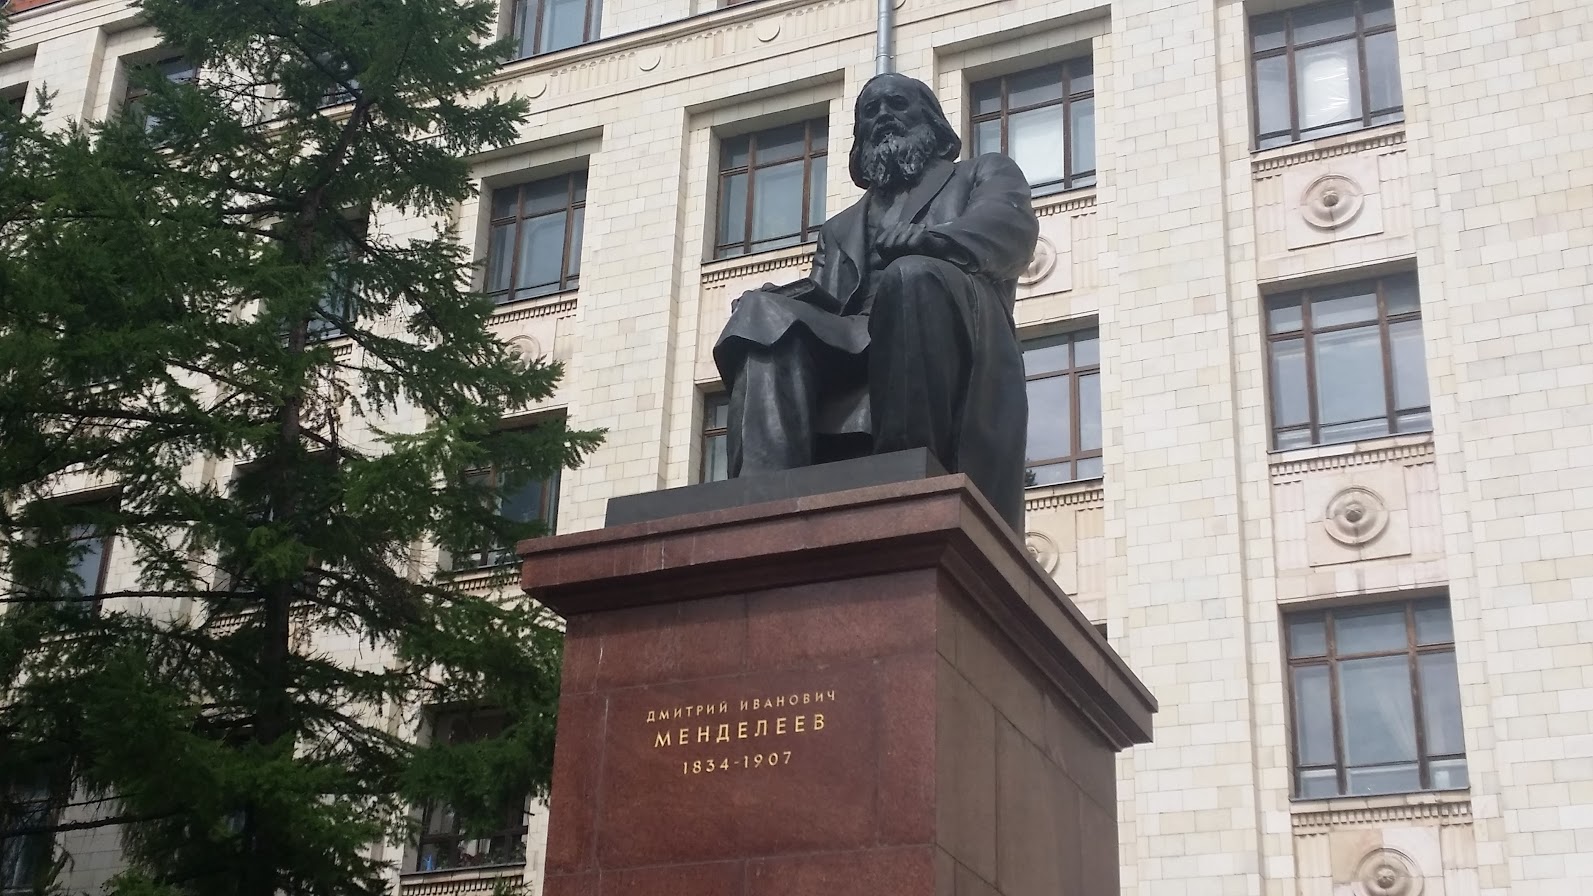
(1349, 377)
(1307, 636)
(1369, 630)
(1379, 719)
(1046, 355)
(1034, 87)
(541, 254)
(1050, 418)
(1329, 84)
(1090, 412)
(1313, 716)
(1382, 71)
(1440, 684)
(1377, 13)
(1034, 141)
(777, 201)
(1410, 373)
(1290, 403)
(1272, 94)
(1082, 138)
(782, 144)
(1267, 32)
(1323, 21)
(544, 26)
(564, 24)
(1433, 625)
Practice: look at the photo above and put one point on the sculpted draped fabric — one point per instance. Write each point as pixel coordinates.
(920, 351)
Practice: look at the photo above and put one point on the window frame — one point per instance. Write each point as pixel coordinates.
(1074, 372)
(576, 182)
(1289, 49)
(90, 601)
(442, 725)
(44, 809)
(133, 94)
(809, 230)
(589, 30)
(710, 431)
(1307, 334)
(346, 250)
(499, 556)
(1331, 659)
(1070, 180)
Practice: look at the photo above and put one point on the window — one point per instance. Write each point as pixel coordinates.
(715, 438)
(442, 844)
(542, 26)
(177, 70)
(771, 188)
(1064, 383)
(1324, 69)
(1044, 119)
(1346, 362)
(534, 245)
(250, 488)
(1376, 700)
(23, 857)
(524, 500)
(338, 301)
(87, 546)
(342, 74)
(10, 109)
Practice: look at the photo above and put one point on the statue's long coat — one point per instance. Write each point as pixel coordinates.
(982, 206)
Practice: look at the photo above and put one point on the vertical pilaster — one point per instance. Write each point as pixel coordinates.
(1173, 488)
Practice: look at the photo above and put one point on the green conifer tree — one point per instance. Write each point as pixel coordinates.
(205, 280)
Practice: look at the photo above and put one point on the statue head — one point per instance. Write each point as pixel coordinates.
(898, 128)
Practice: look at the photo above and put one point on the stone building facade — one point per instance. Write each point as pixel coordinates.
(1310, 345)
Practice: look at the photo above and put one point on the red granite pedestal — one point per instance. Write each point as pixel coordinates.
(864, 693)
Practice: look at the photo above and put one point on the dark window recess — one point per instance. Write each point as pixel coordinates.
(24, 857)
(1324, 69)
(443, 844)
(534, 240)
(338, 302)
(250, 489)
(525, 499)
(1346, 362)
(543, 26)
(1044, 119)
(177, 70)
(715, 438)
(88, 552)
(343, 72)
(1064, 384)
(771, 188)
(1376, 700)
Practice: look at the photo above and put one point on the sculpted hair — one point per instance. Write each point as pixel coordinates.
(949, 145)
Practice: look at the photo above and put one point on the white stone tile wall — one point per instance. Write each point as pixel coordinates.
(1198, 534)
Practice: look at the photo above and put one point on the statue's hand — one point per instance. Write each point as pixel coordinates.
(903, 239)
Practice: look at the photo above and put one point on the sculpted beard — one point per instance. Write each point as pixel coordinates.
(897, 160)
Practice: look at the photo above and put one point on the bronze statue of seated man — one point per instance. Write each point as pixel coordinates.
(902, 335)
